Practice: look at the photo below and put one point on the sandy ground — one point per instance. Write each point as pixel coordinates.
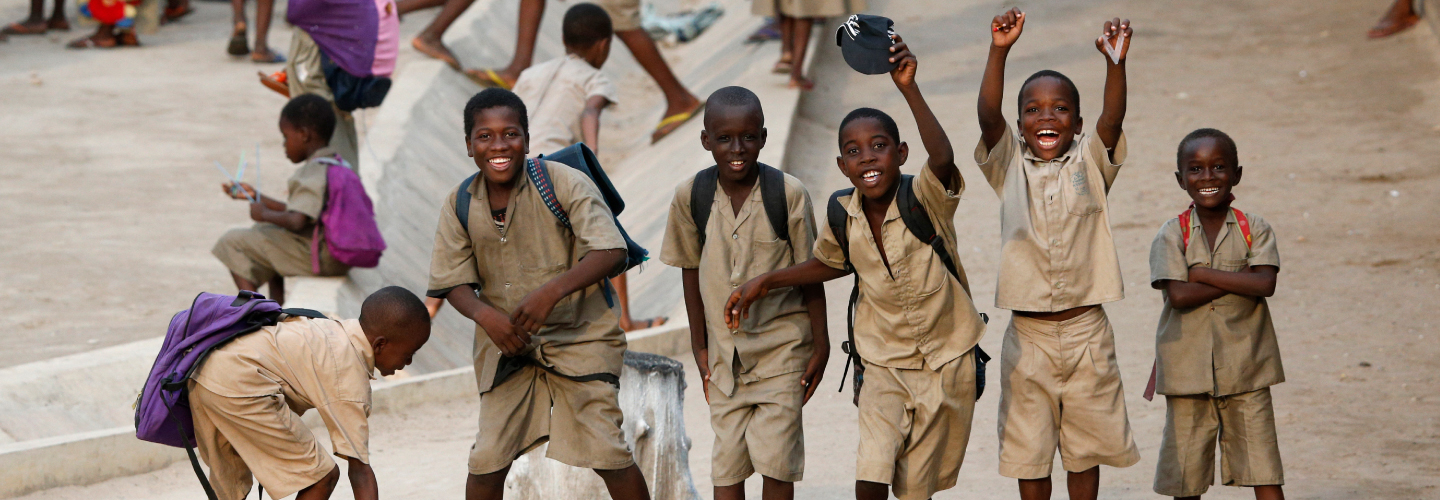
(1338, 134)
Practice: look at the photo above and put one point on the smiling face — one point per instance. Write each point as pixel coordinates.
(734, 136)
(871, 158)
(391, 356)
(1208, 171)
(1049, 119)
(498, 144)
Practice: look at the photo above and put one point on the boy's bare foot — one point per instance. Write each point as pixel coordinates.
(1399, 18)
(433, 47)
(263, 55)
(25, 28)
(801, 83)
(101, 40)
(58, 24)
(489, 78)
(238, 46)
(127, 38)
(675, 116)
(630, 325)
(784, 65)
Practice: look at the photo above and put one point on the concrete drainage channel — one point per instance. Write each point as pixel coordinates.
(67, 421)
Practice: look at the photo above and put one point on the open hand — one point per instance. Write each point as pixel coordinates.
(238, 190)
(530, 315)
(815, 370)
(738, 306)
(1005, 28)
(511, 340)
(905, 63)
(1114, 39)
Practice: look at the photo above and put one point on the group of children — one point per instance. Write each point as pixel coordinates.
(549, 348)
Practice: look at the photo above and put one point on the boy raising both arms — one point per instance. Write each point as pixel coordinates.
(1060, 383)
(548, 352)
(1216, 351)
(756, 377)
(915, 326)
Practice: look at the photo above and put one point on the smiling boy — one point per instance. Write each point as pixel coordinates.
(1060, 383)
(548, 351)
(1216, 351)
(915, 326)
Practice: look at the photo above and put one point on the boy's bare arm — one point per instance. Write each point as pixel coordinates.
(932, 135)
(810, 272)
(1253, 281)
(695, 312)
(495, 322)
(590, 121)
(814, 296)
(1113, 114)
(530, 315)
(1004, 31)
(362, 481)
(1185, 295)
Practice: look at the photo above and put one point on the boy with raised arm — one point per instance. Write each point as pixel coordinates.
(1060, 383)
(915, 327)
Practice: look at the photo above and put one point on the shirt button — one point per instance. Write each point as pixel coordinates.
(734, 236)
(1060, 285)
(502, 239)
(507, 284)
(1054, 242)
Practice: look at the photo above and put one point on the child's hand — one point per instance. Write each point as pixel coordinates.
(257, 212)
(511, 340)
(1005, 28)
(739, 304)
(1114, 40)
(702, 364)
(815, 370)
(904, 72)
(238, 191)
(530, 315)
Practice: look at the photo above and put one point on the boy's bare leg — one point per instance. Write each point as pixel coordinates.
(239, 43)
(1035, 489)
(434, 304)
(677, 99)
(277, 289)
(531, 11)
(261, 52)
(800, 34)
(486, 487)
(732, 492)
(322, 489)
(627, 323)
(625, 484)
(428, 41)
(787, 47)
(57, 17)
(866, 490)
(1084, 485)
(1274, 492)
(775, 489)
(1400, 17)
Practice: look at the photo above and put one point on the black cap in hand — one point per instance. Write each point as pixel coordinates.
(865, 42)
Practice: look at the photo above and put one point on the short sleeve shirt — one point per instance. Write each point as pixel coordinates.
(1056, 250)
(776, 338)
(308, 186)
(1227, 346)
(555, 92)
(322, 364)
(912, 314)
(581, 336)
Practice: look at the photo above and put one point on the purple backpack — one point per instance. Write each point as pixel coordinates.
(162, 411)
(348, 219)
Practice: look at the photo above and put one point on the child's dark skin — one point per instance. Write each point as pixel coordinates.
(499, 145)
(865, 149)
(734, 136)
(1208, 171)
(300, 144)
(1049, 122)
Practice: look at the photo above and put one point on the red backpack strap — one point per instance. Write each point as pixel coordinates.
(1185, 228)
(1244, 227)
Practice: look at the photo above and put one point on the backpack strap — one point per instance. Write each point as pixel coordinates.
(304, 313)
(462, 201)
(838, 220)
(1240, 219)
(539, 174)
(772, 194)
(917, 220)
(1244, 227)
(702, 198)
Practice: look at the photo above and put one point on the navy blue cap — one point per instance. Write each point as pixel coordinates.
(865, 42)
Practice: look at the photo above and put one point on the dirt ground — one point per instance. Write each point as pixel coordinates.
(1338, 134)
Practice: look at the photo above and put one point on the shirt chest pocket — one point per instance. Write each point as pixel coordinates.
(764, 256)
(1081, 196)
(532, 278)
(1232, 266)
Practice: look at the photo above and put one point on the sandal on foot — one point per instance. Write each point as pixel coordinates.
(782, 67)
(268, 57)
(673, 122)
(89, 43)
(22, 29)
(239, 46)
(487, 78)
(1385, 29)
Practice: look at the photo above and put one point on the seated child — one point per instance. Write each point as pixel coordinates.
(915, 325)
(548, 351)
(1060, 383)
(278, 245)
(242, 398)
(761, 374)
(1216, 364)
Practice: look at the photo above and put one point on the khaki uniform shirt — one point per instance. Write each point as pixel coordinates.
(308, 186)
(581, 336)
(315, 363)
(555, 92)
(1224, 347)
(913, 314)
(1056, 250)
(775, 339)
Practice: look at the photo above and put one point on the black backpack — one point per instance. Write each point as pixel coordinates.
(772, 195)
(917, 221)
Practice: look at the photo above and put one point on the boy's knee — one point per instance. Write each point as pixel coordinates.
(491, 480)
(322, 488)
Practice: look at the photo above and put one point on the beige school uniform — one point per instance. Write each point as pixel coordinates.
(756, 390)
(554, 93)
(624, 14)
(1215, 364)
(807, 8)
(304, 76)
(581, 420)
(1060, 383)
(260, 252)
(248, 397)
(914, 328)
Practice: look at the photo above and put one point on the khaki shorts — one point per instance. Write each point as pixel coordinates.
(260, 252)
(914, 426)
(758, 430)
(624, 14)
(1060, 387)
(580, 420)
(1245, 426)
(238, 437)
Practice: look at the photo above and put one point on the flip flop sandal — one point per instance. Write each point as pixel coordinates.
(488, 78)
(1393, 28)
(20, 29)
(673, 122)
(239, 46)
(782, 67)
(86, 43)
(273, 58)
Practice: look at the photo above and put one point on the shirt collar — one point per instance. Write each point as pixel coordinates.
(1064, 157)
(478, 191)
(361, 344)
(325, 152)
(856, 208)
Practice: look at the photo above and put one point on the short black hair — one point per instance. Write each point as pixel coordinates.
(390, 307)
(585, 25)
(1207, 133)
(310, 112)
(734, 97)
(886, 122)
(1050, 73)
(495, 98)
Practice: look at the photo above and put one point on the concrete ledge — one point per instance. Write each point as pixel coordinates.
(78, 459)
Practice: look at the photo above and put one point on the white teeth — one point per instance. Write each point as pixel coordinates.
(1209, 190)
(870, 176)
